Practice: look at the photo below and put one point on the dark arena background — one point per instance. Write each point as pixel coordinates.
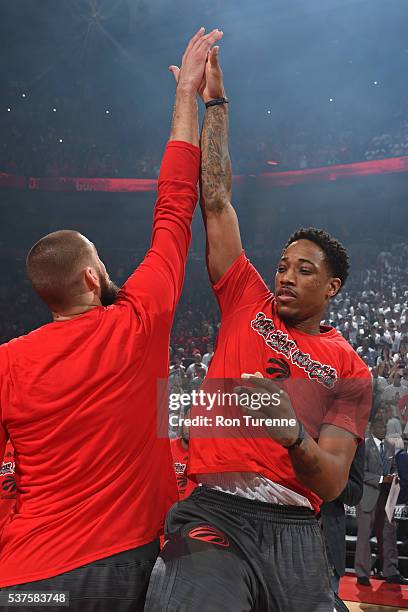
(318, 102)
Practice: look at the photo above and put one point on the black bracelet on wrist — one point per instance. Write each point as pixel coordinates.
(215, 102)
(299, 440)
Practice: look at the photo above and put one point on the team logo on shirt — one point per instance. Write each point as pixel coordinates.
(8, 467)
(181, 477)
(280, 369)
(9, 486)
(280, 342)
(207, 533)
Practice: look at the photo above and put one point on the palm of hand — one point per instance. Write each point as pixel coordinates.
(211, 86)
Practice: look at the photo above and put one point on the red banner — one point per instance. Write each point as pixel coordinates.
(278, 179)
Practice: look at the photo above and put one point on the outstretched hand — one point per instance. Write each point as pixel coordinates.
(191, 75)
(212, 84)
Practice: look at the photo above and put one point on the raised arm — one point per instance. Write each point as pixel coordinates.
(155, 286)
(220, 219)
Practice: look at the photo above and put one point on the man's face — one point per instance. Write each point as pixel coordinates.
(303, 283)
(378, 430)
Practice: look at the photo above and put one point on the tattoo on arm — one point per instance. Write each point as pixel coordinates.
(216, 172)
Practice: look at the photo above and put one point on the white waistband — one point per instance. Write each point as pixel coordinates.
(253, 486)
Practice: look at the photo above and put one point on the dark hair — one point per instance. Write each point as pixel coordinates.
(378, 420)
(336, 255)
(54, 266)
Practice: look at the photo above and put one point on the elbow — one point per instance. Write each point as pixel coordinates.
(333, 490)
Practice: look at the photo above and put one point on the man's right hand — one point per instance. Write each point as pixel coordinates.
(388, 479)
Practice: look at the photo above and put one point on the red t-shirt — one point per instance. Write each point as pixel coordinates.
(79, 402)
(7, 486)
(253, 338)
(180, 461)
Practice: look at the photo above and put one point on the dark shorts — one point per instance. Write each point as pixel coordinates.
(225, 553)
(114, 584)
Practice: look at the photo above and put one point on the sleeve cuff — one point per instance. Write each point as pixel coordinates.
(183, 144)
(181, 162)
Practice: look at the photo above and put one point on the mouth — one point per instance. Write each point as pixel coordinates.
(286, 295)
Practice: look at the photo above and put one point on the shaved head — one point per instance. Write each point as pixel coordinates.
(56, 266)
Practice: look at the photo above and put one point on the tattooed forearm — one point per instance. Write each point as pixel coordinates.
(216, 172)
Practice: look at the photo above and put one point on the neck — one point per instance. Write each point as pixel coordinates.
(88, 302)
(308, 326)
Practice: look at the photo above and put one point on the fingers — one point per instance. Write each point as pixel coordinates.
(199, 34)
(257, 380)
(257, 375)
(207, 41)
(213, 57)
(175, 70)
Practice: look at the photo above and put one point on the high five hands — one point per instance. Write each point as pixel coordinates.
(200, 70)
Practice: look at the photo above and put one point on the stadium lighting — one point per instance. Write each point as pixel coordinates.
(9, 110)
(330, 99)
(60, 140)
(375, 82)
(107, 112)
(23, 95)
(269, 112)
(54, 110)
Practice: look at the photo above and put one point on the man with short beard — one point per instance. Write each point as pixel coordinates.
(78, 397)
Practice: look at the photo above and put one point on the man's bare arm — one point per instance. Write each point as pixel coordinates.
(324, 466)
(220, 219)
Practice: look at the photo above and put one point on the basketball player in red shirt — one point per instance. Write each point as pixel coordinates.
(247, 539)
(78, 397)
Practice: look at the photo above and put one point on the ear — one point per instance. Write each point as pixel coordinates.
(334, 287)
(92, 279)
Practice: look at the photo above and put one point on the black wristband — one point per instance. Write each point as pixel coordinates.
(215, 102)
(300, 438)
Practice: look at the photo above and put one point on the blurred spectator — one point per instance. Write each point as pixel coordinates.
(195, 368)
(379, 465)
(210, 352)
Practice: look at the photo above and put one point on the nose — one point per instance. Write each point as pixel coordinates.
(287, 277)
